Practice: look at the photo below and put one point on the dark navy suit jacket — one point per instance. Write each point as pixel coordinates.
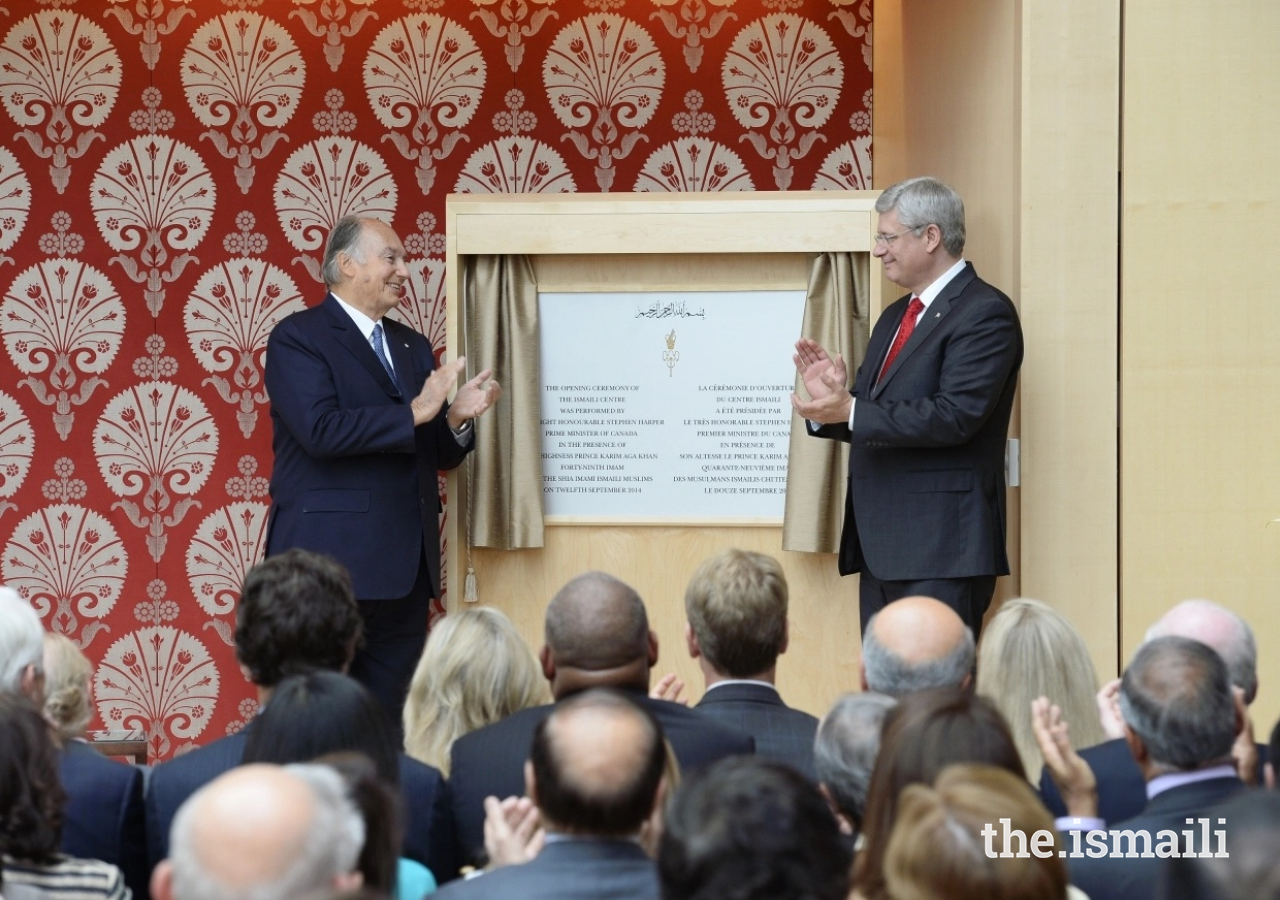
(926, 491)
(780, 732)
(568, 870)
(353, 478)
(490, 760)
(104, 817)
(428, 834)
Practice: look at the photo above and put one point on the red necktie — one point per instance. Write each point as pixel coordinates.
(914, 308)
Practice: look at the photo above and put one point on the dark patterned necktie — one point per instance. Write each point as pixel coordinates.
(914, 308)
(376, 340)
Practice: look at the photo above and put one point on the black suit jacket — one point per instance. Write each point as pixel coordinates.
(105, 815)
(1123, 878)
(490, 760)
(428, 836)
(926, 491)
(353, 478)
(780, 732)
(567, 870)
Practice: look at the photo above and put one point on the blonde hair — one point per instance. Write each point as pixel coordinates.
(937, 848)
(68, 698)
(1031, 650)
(475, 670)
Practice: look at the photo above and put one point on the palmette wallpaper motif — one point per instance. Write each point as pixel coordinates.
(169, 171)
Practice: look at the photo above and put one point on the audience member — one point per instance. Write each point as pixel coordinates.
(263, 832)
(1122, 791)
(943, 839)
(844, 753)
(68, 687)
(31, 803)
(736, 605)
(381, 866)
(751, 829)
(914, 644)
(1031, 650)
(104, 815)
(476, 669)
(1248, 870)
(597, 635)
(926, 732)
(296, 614)
(595, 774)
(1181, 719)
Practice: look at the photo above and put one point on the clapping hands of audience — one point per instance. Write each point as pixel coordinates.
(1076, 781)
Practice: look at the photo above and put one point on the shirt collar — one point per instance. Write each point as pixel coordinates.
(929, 294)
(363, 322)
(1162, 783)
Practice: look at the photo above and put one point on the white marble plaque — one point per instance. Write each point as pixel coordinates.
(667, 406)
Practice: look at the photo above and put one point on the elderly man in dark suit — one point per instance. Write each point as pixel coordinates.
(297, 614)
(597, 635)
(360, 428)
(926, 418)
(595, 774)
(736, 604)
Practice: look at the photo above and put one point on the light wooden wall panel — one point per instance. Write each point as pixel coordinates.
(1200, 325)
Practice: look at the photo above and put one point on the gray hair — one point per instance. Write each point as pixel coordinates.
(331, 847)
(1177, 697)
(846, 747)
(1239, 650)
(888, 673)
(344, 238)
(21, 640)
(927, 201)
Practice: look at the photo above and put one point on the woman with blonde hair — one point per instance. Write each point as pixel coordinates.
(68, 696)
(475, 670)
(1031, 650)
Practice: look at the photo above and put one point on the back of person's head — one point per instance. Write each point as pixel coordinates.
(915, 644)
(1176, 697)
(1249, 867)
(322, 712)
(595, 767)
(1031, 650)
(297, 612)
(845, 750)
(938, 847)
(263, 832)
(926, 732)
(381, 808)
(21, 647)
(596, 626)
(736, 603)
(68, 694)
(31, 794)
(925, 201)
(475, 670)
(1219, 628)
(748, 828)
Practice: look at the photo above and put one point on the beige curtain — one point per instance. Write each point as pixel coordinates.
(504, 472)
(836, 315)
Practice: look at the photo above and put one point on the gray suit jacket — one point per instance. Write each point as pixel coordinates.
(780, 732)
(567, 870)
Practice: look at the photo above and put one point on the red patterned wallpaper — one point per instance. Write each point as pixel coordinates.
(168, 175)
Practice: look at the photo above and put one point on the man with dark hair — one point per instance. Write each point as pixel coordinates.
(844, 754)
(736, 604)
(597, 635)
(297, 614)
(360, 429)
(595, 774)
(751, 829)
(1181, 718)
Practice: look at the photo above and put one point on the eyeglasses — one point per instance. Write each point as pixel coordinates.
(884, 240)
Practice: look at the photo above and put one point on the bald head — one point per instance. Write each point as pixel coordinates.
(1219, 628)
(595, 765)
(264, 832)
(597, 624)
(913, 644)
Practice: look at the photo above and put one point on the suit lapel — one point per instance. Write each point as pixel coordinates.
(400, 354)
(348, 335)
(930, 319)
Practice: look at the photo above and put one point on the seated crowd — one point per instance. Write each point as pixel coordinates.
(998, 771)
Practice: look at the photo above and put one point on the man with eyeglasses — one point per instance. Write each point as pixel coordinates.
(926, 418)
